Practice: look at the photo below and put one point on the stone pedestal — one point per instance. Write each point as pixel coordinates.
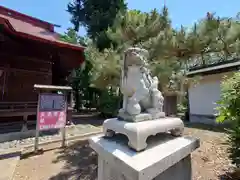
(138, 132)
(166, 158)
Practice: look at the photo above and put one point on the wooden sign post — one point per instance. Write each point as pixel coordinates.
(52, 110)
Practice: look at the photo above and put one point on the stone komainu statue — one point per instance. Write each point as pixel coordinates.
(141, 98)
(142, 102)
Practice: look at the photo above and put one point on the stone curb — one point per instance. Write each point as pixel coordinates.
(69, 139)
(82, 136)
(26, 134)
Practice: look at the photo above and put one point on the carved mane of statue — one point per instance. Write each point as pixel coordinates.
(141, 98)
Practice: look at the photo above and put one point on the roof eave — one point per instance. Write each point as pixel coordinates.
(214, 69)
(11, 29)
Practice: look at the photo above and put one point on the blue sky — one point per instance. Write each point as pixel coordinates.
(182, 12)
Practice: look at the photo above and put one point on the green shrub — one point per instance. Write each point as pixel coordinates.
(229, 110)
(109, 103)
(181, 108)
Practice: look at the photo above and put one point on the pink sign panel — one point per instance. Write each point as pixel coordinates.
(52, 113)
(51, 120)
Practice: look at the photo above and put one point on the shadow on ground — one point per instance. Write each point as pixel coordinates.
(214, 128)
(93, 119)
(80, 162)
(233, 174)
(228, 176)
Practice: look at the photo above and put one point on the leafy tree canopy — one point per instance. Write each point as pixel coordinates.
(172, 51)
(96, 16)
(72, 37)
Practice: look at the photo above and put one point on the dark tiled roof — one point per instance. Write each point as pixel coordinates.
(226, 66)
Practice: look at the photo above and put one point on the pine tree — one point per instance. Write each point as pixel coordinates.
(96, 16)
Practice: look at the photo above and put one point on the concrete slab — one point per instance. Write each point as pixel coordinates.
(8, 163)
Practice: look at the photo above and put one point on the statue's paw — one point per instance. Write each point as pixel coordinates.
(152, 110)
(132, 101)
(134, 109)
(121, 111)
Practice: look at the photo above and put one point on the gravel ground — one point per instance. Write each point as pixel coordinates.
(210, 161)
(78, 161)
(70, 132)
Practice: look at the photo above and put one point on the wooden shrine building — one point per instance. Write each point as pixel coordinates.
(30, 53)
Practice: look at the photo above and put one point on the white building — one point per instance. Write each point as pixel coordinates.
(204, 94)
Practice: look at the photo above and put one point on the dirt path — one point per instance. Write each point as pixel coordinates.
(210, 161)
(78, 161)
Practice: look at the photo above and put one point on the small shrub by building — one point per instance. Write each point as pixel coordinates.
(229, 110)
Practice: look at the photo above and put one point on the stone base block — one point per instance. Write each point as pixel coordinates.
(166, 158)
(138, 132)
